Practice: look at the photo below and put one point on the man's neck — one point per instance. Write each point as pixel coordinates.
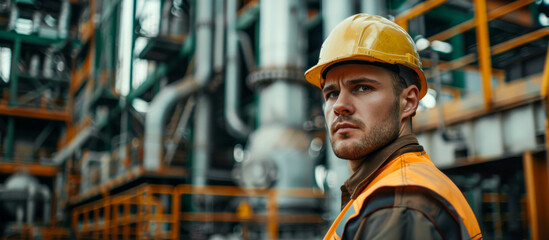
(354, 164)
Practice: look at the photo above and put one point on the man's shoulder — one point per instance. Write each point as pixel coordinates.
(415, 207)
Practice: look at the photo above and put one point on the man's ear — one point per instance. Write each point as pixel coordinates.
(409, 100)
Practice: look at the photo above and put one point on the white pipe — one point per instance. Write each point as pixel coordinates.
(47, 199)
(282, 47)
(333, 12)
(30, 203)
(236, 126)
(203, 71)
(156, 116)
(158, 109)
(64, 19)
(204, 36)
(219, 34)
(376, 7)
(82, 137)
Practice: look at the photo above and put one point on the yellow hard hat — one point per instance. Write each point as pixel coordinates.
(368, 38)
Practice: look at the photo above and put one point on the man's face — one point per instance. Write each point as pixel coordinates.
(362, 111)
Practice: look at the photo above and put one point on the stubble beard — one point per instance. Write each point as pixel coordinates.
(377, 136)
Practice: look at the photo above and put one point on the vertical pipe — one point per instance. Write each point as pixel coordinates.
(10, 137)
(14, 14)
(64, 19)
(47, 199)
(219, 36)
(483, 48)
(130, 77)
(376, 7)
(281, 47)
(14, 74)
(30, 203)
(333, 12)
(203, 54)
(235, 125)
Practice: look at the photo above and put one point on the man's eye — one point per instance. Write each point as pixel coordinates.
(333, 94)
(363, 88)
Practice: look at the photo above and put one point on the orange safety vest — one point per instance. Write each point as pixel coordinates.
(411, 169)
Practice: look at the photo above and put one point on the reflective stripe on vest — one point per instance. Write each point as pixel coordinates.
(336, 230)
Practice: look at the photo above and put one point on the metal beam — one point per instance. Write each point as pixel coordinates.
(496, 13)
(417, 10)
(537, 195)
(496, 49)
(39, 113)
(523, 39)
(483, 49)
(33, 169)
(31, 39)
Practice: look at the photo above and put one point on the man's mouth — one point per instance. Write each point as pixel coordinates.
(344, 127)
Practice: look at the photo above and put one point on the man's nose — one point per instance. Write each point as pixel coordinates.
(343, 105)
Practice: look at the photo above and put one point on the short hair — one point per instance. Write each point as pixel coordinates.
(399, 83)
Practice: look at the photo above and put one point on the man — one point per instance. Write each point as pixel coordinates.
(371, 78)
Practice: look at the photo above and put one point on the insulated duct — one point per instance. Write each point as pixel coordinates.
(203, 72)
(236, 126)
(156, 116)
(164, 100)
(277, 152)
(376, 7)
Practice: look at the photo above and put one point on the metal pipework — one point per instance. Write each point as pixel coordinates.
(236, 126)
(281, 47)
(333, 12)
(64, 19)
(30, 203)
(80, 139)
(156, 116)
(203, 72)
(158, 109)
(47, 198)
(376, 7)
(277, 152)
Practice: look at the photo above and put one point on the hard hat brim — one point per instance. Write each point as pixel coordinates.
(314, 74)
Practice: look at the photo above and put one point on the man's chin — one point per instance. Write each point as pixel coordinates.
(347, 151)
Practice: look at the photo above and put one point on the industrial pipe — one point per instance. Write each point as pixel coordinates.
(236, 126)
(76, 142)
(156, 116)
(30, 203)
(203, 72)
(47, 198)
(63, 19)
(376, 7)
(164, 100)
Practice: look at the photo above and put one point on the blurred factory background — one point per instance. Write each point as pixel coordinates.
(191, 119)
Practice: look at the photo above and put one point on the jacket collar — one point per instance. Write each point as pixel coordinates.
(373, 162)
